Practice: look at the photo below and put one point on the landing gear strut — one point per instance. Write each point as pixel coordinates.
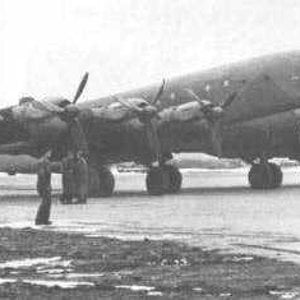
(265, 176)
(74, 180)
(106, 182)
(163, 179)
(101, 182)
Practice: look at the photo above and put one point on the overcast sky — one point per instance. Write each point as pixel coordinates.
(47, 45)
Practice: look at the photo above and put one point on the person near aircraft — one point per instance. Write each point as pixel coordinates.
(44, 186)
(81, 178)
(67, 180)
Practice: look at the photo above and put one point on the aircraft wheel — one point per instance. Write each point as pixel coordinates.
(278, 176)
(265, 176)
(106, 182)
(156, 181)
(254, 177)
(175, 179)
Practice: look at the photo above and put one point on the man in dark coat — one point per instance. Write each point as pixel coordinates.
(44, 188)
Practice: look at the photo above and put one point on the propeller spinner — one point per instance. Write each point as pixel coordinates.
(213, 114)
(146, 113)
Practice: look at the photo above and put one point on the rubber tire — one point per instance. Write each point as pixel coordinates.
(175, 179)
(106, 182)
(261, 176)
(278, 175)
(156, 181)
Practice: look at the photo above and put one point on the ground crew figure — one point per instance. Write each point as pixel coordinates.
(81, 177)
(44, 188)
(75, 168)
(68, 183)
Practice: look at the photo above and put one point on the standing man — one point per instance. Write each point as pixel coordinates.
(68, 184)
(44, 188)
(81, 177)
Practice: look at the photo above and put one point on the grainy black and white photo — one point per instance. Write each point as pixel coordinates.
(149, 149)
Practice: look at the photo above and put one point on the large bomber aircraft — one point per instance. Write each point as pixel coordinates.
(247, 110)
(262, 121)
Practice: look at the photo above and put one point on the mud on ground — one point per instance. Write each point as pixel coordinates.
(49, 265)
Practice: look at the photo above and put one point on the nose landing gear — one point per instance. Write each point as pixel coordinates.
(101, 182)
(265, 175)
(164, 179)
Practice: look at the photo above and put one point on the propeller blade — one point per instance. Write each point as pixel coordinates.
(193, 94)
(159, 93)
(228, 101)
(81, 87)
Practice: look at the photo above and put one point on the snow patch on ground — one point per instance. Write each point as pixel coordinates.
(154, 293)
(7, 280)
(84, 275)
(30, 262)
(284, 294)
(60, 283)
(136, 288)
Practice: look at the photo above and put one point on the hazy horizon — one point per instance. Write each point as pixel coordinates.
(48, 45)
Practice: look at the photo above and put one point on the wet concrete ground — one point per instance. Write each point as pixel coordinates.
(215, 209)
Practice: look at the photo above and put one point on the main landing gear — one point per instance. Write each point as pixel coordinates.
(74, 180)
(101, 182)
(164, 179)
(265, 175)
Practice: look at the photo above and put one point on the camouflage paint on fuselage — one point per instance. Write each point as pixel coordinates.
(268, 97)
(262, 120)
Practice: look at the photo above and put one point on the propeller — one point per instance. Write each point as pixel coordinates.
(147, 113)
(229, 100)
(159, 93)
(77, 142)
(213, 114)
(69, 110)
(81, 87)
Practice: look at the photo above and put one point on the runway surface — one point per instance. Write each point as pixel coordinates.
(216, 210)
